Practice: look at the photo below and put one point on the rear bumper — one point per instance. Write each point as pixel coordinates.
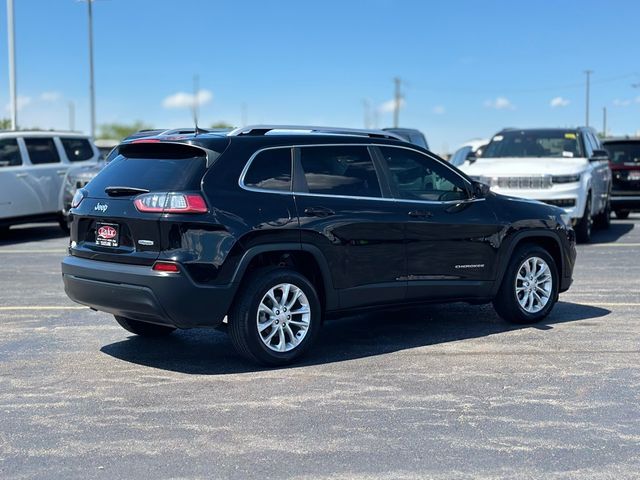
(139, 293)
(629, 202)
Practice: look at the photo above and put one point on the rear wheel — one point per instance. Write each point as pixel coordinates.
(585, 224)
(143, 329)
(529, 288)
(603, 220)
(622, 214)
(275, 317)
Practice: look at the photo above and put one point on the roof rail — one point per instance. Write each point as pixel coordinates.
(264, 129)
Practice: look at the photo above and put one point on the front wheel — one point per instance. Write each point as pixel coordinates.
(143, 329)
(529, 287)
(275, 317)
(585, 224)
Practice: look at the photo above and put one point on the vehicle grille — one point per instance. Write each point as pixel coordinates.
(562, 202)
(81, 183)
(524, 182)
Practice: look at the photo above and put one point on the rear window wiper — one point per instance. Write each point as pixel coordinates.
(124, 191)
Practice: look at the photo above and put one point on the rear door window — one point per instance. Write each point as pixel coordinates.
(340, 170)
(270, 170)
(77, 149)
(42, 150)
(9, 153)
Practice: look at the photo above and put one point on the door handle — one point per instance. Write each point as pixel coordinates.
(420, 214)
(319, 212)
(21, 175)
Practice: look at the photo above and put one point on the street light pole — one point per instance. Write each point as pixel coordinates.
(13, 99)
(92, 91)
(588, 74)
(397, 100)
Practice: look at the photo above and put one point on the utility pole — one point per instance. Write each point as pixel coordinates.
(397, 101)
(588, 74)
(604, 121)
(13, 99)
(367, 113)
(196, 89)
(72, 116)
(92, 91)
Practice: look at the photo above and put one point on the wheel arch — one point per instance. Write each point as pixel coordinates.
(307, 259)
(545, 239)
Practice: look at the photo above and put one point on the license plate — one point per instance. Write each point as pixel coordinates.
(107, 234)
(634, 176)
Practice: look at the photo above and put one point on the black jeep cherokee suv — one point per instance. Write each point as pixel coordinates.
(275, 230)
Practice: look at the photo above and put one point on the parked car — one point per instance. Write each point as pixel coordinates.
(105, 146)
(411, 135)
(32, 167)
(468, 153)
(624, 159)
(568, 168)
(275, 231)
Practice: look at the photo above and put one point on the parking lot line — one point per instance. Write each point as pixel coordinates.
(46, 307)
(34, 251)
(607, 245)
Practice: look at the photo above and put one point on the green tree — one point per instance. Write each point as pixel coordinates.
(5, 124)
(118, 131)
(221, 124)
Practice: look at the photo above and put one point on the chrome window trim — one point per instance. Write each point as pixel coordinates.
(242, 185)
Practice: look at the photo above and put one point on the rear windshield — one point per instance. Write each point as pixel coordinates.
(534, 143)
(150, 174)
(624, 152)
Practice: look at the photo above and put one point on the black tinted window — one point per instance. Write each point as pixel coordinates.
(417, 177)
(9, 153)
(340, 171)
(270, 170)
(77, 149)
(624, 152)
(42, 150)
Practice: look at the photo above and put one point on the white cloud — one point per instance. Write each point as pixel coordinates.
(50, 96)
(558, 102)
(621, 103)
(21, 101)
(187, 100)
(500, 103)
(439, 110)
(390, 105)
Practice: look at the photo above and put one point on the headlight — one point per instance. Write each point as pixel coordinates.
(566, 178)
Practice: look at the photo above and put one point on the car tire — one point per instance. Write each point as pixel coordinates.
(585, 224)
(143, 329)
(515, 301)
(603, 220)
(261, 325)
(622, 214)
(64, 223)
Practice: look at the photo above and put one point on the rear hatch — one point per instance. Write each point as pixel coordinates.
(624, 158)
(121, 214)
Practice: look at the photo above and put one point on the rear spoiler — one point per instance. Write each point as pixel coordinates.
(154, 148)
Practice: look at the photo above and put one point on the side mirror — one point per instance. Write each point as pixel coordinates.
(481, 190)
(599, 156)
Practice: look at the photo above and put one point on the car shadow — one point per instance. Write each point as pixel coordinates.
(29, 233)
(209, 352)
(617, 230)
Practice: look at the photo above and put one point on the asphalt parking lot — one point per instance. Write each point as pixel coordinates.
(438, 392)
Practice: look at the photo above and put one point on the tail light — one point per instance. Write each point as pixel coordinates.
(170, 202)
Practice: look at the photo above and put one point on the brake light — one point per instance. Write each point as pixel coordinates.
(167, 267)
(170, 202)
(78, 197)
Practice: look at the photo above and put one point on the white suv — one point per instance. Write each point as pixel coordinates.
(564, 167)
(32, 167)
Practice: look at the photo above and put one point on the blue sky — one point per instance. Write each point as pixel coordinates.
(469, 68)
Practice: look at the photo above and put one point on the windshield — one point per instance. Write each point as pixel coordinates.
(624, 152)
(534, 143)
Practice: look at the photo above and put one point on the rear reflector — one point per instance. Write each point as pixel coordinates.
(165, 202)
(166, 267)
